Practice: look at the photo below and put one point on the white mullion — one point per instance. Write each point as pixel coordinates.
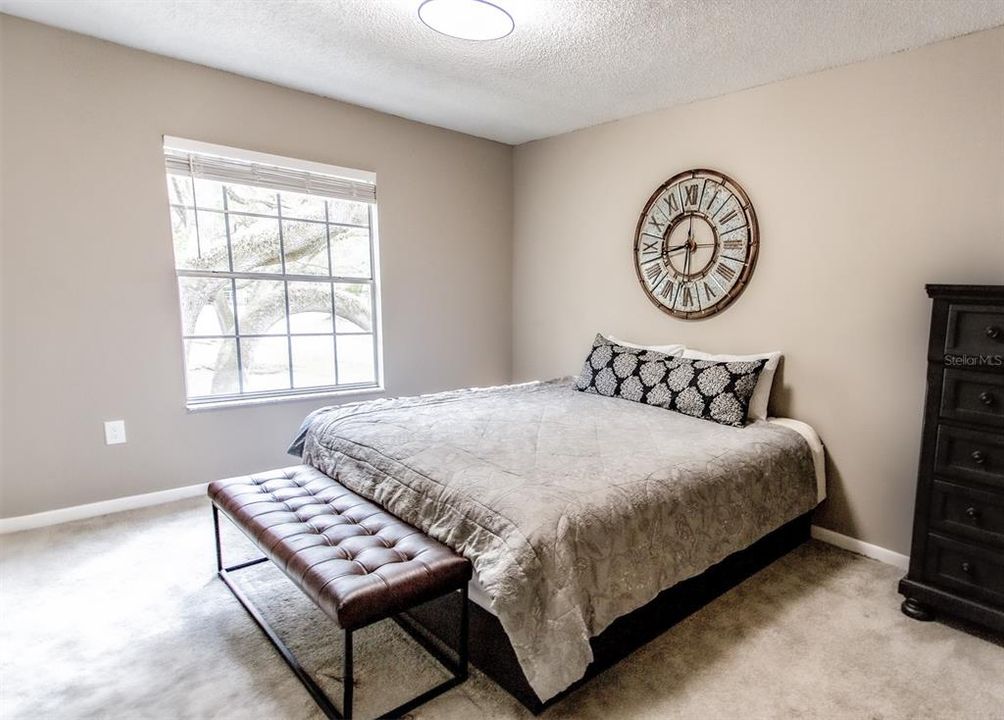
(223, 274)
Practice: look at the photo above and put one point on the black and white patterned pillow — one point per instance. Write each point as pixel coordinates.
(708, 389)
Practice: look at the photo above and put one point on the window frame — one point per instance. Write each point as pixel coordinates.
(242, 397)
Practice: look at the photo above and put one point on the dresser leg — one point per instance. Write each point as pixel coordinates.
(917, 610)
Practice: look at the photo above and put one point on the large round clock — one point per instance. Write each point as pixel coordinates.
(696, 244)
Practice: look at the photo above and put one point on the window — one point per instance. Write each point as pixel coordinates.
(277, 273)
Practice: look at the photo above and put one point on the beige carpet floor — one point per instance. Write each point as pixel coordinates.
(122, 617)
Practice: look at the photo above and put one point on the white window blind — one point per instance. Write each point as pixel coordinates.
(231, 165)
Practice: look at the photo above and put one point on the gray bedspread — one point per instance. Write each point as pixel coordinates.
(574, 508)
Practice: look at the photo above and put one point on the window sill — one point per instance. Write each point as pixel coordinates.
(275, 399)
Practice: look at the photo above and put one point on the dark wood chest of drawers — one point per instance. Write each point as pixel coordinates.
(957, 558)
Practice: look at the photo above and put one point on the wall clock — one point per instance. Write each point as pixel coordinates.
(696, 244)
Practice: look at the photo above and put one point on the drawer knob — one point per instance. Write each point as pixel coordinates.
(972, 512)
(993, 332)
(966, 567)
(987, 398)
(979, 457)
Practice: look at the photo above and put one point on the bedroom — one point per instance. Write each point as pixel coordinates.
(475, 214)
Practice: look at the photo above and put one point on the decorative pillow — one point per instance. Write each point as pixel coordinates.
(761, 395)
(717, 391)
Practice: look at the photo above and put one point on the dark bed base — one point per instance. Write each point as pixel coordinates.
(491, 652)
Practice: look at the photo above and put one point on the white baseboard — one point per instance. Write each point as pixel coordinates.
(80, 512)
(861, 547)
(132, 502)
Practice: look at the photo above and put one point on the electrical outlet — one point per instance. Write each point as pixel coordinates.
(115, 432)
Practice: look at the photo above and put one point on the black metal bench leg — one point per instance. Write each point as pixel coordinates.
(462, 652)
(347, 680)
(216, 533)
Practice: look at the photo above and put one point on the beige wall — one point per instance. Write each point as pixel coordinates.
(90, 316)
(868, 181)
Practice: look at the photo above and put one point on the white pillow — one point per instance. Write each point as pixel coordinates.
(761, 393)
(664, 349)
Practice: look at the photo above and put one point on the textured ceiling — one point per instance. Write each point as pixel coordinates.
(568, 64)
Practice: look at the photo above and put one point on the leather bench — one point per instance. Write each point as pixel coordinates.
(357, 562)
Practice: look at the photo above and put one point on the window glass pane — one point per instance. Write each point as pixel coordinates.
(211, 366)
(303, 207)
(310, 307)
(246, 198)
(353, 308)
(313, 361)
(207, 307)
(350, 252)
(179, 190)
(355, 359)
(212, 242)
(346, 211)
(208, 194)
(255, 244)
(266, 364)
(306, 247)
(202, 246)
(261, 307)
(186, 241)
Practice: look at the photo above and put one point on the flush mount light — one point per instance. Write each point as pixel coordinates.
(466, 19)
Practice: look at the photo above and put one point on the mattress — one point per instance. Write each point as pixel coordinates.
(574, 508)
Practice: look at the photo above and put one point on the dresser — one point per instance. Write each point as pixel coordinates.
(957, 557)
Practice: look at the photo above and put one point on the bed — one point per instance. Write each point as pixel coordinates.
(579, 512)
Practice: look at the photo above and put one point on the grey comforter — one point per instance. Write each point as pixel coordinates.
(574, 508)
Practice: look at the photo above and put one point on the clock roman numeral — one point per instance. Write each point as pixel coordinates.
(653, 272)
(667, 289)
(658, 225)
(733, 243)
(671, 203)
(725, 272)
(688, 297)
(691, 194)
(708, 291)
(732, 214)
(649, 247)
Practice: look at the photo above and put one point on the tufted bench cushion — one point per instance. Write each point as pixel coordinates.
(355, 560)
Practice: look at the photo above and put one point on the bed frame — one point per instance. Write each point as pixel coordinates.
(492, 653)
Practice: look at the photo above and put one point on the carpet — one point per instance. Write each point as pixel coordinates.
(122, 616)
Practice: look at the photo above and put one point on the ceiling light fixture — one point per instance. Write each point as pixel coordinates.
(466, 19)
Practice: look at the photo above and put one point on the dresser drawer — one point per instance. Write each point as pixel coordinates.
(976, 397)
(974, 571)
(975, 330)
(970, 455)
(977, 515)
